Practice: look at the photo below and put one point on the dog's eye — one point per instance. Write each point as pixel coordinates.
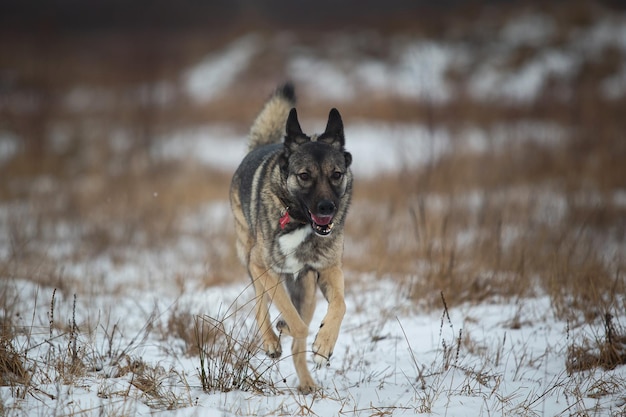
(336, 175)
(304, 176)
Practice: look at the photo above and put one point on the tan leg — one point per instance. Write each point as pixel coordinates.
(299, 346)
(269, 282)
(332, 286)
(271, 342)
(244, 244)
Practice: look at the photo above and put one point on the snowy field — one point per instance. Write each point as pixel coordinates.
(392, 358)
(136, 331)
(481, 360)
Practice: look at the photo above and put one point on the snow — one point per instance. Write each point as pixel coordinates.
(9, 146)
(211, 77)
(389, 358)
(418, 73)
(614, 87)
(385, 148)
(523, 84)
(218, 146)
(322, 78)
(532, 29)
(421, 73)
(377, 148)
(419, 68)
(496, 357)
(609, 31)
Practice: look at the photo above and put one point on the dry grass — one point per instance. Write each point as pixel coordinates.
(607, 351)
(229, 357)
(74, 355)
(506, 223)
(11, 363)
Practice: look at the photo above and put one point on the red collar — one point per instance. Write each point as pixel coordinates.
(284, 219)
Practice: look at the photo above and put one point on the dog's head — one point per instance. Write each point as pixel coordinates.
(316, 169)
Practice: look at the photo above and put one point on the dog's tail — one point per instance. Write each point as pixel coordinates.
(269, 125)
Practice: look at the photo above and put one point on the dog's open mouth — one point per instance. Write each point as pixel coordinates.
(322, 225)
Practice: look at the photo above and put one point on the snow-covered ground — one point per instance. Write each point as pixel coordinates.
(377, 148)
(474, 360)
(392, 357)
(418, 68)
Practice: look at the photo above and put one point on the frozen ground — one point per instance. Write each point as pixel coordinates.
(377, 148)
(418, 68)
(391, 359)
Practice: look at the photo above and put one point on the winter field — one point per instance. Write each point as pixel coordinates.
(486, 244)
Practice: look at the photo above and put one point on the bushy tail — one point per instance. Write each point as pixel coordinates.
(269, 125)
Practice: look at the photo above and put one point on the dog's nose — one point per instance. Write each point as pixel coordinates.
(325, 208)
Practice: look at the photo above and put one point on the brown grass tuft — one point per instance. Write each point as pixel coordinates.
(605, 352)
(12, 366)
(193, 331)
(231, 360)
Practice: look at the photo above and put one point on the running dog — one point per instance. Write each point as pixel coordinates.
(289, 198)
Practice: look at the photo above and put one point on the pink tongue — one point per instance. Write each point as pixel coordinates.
(321, 220)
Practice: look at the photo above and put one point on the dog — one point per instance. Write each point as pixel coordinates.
(289, 199)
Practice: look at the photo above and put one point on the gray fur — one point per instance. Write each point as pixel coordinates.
(290, 201)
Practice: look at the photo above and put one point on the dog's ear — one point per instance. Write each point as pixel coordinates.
(293, 126)
(294, 136)
(333, 135)
(348, 157)
(335, 124)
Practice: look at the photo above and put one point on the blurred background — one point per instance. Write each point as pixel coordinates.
(488, 137)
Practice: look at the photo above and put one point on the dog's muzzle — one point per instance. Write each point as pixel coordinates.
(322, 225)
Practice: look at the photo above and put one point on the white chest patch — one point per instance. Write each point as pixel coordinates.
(289, 244)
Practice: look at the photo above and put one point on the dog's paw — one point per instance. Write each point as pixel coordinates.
(323, 348)
(274, 352)
(321, 359)
(308, 387)
(272, 347)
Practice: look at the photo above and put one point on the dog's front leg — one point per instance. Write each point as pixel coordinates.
(271, 342)
(331, 283)
(272, 286)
